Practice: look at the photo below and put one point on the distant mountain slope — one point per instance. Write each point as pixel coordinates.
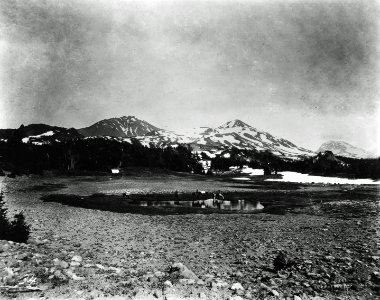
(127, 126)
(40, 133)
(243, 136)
(341, 148)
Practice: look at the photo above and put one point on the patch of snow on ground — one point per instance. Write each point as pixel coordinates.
(305, 178)
(48, 133)
(253, 172)
(241, 178)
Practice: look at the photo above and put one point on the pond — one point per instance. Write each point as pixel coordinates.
(234, 205)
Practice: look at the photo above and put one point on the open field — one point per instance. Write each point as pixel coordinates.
(329, 234)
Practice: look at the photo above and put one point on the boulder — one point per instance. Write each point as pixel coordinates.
(77, 258)
(237, 286)
(182, 271)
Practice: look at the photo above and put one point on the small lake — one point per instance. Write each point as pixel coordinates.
(158, 192)
(235, 205)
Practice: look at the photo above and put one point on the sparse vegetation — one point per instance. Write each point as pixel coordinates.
(16, 230)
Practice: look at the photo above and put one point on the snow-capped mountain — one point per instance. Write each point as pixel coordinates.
(243, 136)
(212, 140)
(127, 126)
(341, 148)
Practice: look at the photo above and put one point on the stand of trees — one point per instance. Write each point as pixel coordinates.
(324, 164)
(100, 154)
(95, 154)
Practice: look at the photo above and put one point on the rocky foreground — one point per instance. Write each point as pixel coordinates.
(89, 254)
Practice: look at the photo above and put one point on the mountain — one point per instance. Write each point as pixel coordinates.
(238, 134)
(127, 126)
(341, 148)
(234, 133)
(40, 133)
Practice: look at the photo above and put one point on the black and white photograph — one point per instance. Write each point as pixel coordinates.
(189, 149)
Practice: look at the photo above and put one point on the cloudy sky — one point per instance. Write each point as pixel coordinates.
(307, 71)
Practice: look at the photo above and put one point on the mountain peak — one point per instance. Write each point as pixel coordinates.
(126, 126)
(234, 123)
(132, 118)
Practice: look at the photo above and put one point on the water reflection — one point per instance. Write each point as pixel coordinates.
(240, 205)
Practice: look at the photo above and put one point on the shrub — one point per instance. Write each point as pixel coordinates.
(280, 262)
(16, 230)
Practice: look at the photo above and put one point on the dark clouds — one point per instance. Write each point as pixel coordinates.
(73, 62)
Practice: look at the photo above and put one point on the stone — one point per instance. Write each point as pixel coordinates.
(188, 274)
(157, 293)
(74, 264)
(63, 264)
(24, 256)
(77, 258)
(167, 283)
(222, 284)
(58, 274)
(73, 276)
(171, 297)
(239, 274)
(56, 261)
(159, 274)
(183, 271)
(297, 297)
(153, 279)
(200, 282)
(237, 286)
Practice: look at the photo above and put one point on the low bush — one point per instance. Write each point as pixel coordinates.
(16, 230)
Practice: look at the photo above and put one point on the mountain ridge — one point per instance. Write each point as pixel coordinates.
(234, 133)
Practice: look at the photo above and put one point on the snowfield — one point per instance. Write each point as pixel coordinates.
(48, 133)
(305, 178)
(253, 172)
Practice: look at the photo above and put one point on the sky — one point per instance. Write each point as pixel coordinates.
(307, 71)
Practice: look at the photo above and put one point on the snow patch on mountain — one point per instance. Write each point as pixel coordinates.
(238, 134)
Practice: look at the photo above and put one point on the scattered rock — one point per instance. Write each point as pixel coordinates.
(237, 286)
(167, 283)
(77, 258)
(74, 264)
(182, 271)
(157, 294)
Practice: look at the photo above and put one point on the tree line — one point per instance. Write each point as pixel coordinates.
(102, 155)
(95, 154)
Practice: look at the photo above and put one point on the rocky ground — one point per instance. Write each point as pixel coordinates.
(312, 253)
(224, 256)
